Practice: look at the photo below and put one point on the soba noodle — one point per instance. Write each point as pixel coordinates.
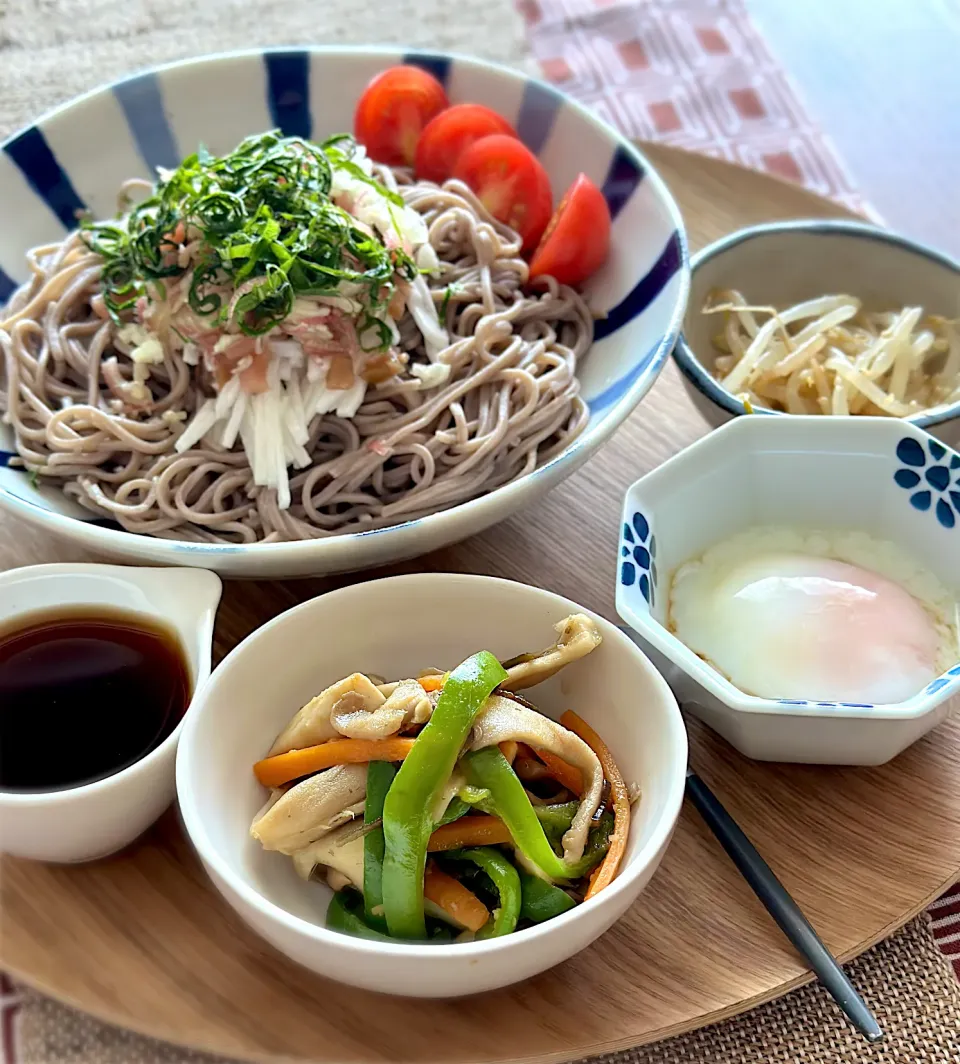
(510, 403)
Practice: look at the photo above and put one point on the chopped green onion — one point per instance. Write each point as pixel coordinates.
(264, 218)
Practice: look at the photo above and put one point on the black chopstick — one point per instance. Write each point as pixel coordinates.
(781, 906)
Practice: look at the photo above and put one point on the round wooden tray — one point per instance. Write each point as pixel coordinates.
(143, 940)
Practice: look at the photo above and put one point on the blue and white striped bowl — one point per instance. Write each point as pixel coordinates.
(76, 157)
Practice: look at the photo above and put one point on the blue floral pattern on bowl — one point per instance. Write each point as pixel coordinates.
(941, 681)
(932, 476)
(638, 557)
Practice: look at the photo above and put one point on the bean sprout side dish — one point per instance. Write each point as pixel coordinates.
(833, 356)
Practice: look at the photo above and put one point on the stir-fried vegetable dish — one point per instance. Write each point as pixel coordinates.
(445, 807)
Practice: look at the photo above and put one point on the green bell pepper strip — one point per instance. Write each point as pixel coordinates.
(407, 816)
(598, 842)
(345, 916)
(489, 768)
(507, 882)
(456, 809)
(380, 774)
(477, 798)
(542, 900)
(556, 819)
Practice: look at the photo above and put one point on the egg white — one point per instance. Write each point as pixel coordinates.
(778, 645)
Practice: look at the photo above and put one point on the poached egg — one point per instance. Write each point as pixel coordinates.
(821, 616)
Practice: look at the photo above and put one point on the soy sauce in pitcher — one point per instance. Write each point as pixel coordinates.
(84, 693)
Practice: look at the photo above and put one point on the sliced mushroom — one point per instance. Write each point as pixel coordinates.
(312, 808)
(407, 703)
(502, 719)
(386, 688)
(337, 880)
(577, 635)
(452, 788)
(312, 725)
(340, 852)
(413, 700)
(276, 793)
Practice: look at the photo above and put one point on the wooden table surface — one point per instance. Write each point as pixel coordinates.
(142, 940)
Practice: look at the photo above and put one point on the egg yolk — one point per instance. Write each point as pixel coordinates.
(797, 626)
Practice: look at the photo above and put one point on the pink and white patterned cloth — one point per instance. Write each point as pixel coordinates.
(692, 73)
(695, 74)
(945, 920)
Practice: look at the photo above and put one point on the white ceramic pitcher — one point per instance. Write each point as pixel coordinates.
(95, 819)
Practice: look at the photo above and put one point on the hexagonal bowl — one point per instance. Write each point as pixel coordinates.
(877, 475)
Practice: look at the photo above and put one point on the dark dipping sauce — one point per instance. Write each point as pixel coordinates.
(85, 693)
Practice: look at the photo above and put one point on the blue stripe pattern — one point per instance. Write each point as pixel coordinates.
(7, 286)
(620, 387)
(437, 65)
(538, 110)
(142, 103)
(288, 92)
(630, 362)
(622, 178)
(32, 154)
(644, 292)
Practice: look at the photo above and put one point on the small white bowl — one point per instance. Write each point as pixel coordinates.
(93, 820)
(393, 627)
(876, 475)
(784, 263)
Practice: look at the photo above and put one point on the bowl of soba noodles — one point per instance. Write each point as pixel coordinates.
(295, 312)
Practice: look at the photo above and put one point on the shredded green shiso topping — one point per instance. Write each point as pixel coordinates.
(264, 214)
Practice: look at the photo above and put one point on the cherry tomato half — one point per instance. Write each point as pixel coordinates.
(577, 239)
(392, 111)
(445, 138)
(510, 182)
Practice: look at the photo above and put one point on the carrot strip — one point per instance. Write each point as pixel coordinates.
(607, 870)
(568, 775)
(509, 750)
(469, 831)
(431, 682)
(464, 907)
(281, 768)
